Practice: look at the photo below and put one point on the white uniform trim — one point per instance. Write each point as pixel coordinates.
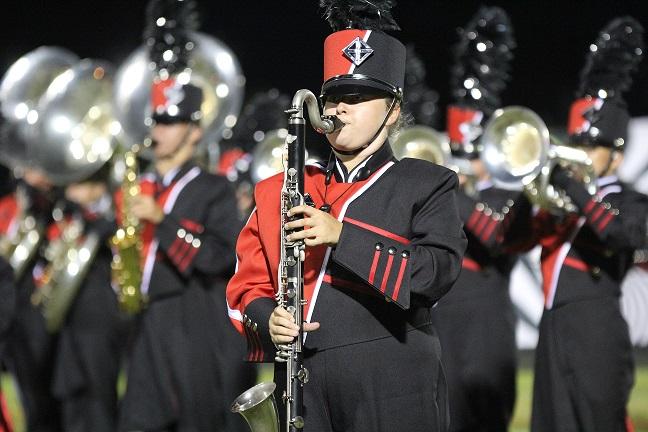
(149, 262)
(318, 284)
(565, 248)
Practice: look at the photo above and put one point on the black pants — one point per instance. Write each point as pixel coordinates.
(584, 369)
(382, 385)
(29, 356)
(185, 367)
(479, 357)
(90, 347)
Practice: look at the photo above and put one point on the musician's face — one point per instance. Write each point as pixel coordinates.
(85, 193)
(604, 158)
(362, 115)
(37, 179)
(168, 138)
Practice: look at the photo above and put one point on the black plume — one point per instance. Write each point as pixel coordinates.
(613, 58)
(482, 60)
(166, 35)
(420, 100)
(359, 14)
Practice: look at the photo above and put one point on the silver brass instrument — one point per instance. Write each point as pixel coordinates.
(423, 142)
(291, 281)
(518, 151)
(69, 259)
(268, 155)
(20, 92)
(77, 131)
(72, 134)
(214, 68)
(258, 407)
(20, 246)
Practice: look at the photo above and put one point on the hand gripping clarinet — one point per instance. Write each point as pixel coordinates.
(257, 405)
(291, 279)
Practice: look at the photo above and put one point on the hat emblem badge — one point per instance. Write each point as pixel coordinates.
(357, 51)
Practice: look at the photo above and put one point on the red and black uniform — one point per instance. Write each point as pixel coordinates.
(186, 366)
(91, 342)
(30, 348)
(584, 364)
(7, 307)
(399, 252)
(476, 320)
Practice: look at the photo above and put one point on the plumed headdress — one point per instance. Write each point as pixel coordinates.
(599, 115)
(167, 38)
(359, 57)
(479, 76)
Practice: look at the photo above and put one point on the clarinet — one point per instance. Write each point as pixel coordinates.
(290, 293)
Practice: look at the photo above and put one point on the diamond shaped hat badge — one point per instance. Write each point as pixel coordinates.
(357, 51)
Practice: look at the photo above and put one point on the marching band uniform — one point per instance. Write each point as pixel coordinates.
(584, 363)
(476, 320)
(92, 338)
(398, 253)
(29, 352)
(186, 365)
(7, 306)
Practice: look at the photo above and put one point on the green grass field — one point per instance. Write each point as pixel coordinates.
(638, 407)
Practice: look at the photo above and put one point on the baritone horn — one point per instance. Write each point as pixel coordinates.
(423, 142)
(519, 152)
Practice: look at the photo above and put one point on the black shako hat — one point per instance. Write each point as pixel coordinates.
(359, 57)
(167, 38)
(479, 75)
(599, 116)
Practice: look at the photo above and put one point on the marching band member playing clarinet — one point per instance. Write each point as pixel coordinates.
(383, 244)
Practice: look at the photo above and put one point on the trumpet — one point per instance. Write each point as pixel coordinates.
(519, 152)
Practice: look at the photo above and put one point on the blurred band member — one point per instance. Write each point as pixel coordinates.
(92, 338)
(584, 367)
(186, 366)
(476, 320)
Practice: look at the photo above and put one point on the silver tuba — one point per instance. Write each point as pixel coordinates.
(21, 89)
(77, 132)
(519, 152)
(74, 136)
(214, 68)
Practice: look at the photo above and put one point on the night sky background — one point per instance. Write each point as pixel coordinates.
(279, 42)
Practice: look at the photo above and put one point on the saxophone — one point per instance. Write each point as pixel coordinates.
(127, 244)
(69, 258)
(257, 405)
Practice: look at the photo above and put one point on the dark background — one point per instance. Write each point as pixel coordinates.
(279, 42)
